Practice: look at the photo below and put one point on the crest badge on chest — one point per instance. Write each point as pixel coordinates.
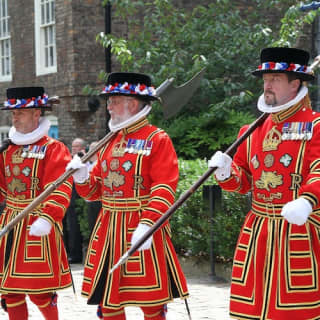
(120, 148)
(272, 140)
(255, 162)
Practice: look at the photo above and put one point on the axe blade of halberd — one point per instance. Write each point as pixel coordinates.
(174, 98)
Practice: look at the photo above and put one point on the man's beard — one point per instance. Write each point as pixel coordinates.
(270, 98)
(125, 116)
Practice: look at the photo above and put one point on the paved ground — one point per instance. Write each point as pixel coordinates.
(208, 300)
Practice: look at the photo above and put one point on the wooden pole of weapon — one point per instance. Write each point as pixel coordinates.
(230, 151)
(54, 185)
(36, 202)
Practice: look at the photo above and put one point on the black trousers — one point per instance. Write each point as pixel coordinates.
(72, 232)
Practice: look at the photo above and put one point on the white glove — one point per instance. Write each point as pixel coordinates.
(41, 227)
(297, 211)
(223, 163)
(138, 234)
(82, 174)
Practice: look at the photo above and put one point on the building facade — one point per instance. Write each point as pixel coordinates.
(51, 43)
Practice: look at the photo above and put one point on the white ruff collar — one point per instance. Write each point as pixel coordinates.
(31, 137)
(131, 120)
(262, 106)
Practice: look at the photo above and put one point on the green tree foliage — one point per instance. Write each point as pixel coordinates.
(226, 37)
(165, 40)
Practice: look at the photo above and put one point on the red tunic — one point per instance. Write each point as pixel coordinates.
(276, 264)
(135, 177)
(30, 264)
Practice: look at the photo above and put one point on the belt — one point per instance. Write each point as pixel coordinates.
(17, 204)
(125, 204)
(267, 209)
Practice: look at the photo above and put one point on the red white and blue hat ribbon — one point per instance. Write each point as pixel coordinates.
(40, 101)
(127, 88)
(283, 66)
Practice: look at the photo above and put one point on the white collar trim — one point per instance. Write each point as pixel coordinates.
(262, 106)
(124, 124)
(31, 137)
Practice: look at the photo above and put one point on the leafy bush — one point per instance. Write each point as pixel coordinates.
(82, 214)
(191, 224)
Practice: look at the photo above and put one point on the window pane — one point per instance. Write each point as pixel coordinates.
(52, 11)
(4, 29)
(51, 56)
(8, 66)
(6, 48)
(46, 57)
(45, 36)
(42, 14)
(47, 12)
(5, 41)
(2, 59)
(50, 31)
(47, 40)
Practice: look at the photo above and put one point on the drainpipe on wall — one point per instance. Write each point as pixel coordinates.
(107, 22)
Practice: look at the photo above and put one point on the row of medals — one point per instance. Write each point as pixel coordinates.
(135, 146)
(37, 152)
(297, 131)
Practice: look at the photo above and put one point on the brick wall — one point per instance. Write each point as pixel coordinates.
(79, 60)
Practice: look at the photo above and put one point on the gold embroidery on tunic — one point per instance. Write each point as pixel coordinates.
(269, 180)
(272, 196)
(35, 183)
(119, 148)
(16, 170)
(16, 156)
(269, 160)
(20, 196)
(113, 179)
(17, 185)
(272, 140)
(138, 180)
(296, 180)
(114, 164)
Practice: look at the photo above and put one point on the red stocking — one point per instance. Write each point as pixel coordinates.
(15, 305)
(111, 314)
(155, 313)
(47, 304)
(17, 312)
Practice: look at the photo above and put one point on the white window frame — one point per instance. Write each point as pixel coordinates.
(5, 43)
(4, 132)
(46, 51)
